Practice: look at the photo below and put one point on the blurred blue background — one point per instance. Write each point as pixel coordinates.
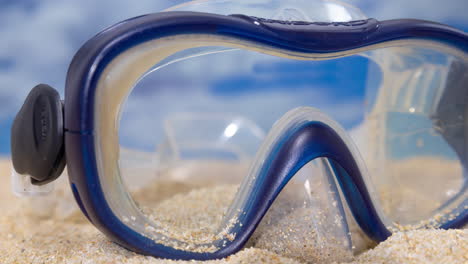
(39, 38)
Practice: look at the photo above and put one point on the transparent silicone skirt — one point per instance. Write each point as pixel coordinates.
(213, 85)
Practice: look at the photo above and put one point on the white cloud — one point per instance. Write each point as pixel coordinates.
(436, 10)
(41, 41)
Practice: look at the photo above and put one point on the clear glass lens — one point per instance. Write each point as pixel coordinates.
(205, 130)
(417, 123)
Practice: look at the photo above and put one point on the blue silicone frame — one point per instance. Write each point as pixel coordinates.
(310, 141)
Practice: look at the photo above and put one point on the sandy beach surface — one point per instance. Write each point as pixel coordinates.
(31, 233)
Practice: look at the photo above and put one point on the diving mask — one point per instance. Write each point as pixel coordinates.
(416, 116)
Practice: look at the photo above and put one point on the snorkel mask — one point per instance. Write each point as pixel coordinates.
(416, 126)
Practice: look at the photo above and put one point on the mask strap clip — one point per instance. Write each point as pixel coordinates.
(37, 142)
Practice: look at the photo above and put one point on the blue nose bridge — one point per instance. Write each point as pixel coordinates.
(308, 142)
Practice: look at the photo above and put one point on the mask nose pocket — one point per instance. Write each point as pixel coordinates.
(307, 220)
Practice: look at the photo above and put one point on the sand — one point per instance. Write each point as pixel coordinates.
(62, 235)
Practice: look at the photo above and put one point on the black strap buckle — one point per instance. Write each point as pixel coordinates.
(37, 136)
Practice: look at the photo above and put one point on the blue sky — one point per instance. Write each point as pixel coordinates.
(39, 38)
